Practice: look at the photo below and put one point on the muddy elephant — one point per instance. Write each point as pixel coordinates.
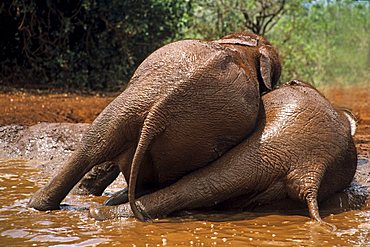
(302, 149)
(186, 104)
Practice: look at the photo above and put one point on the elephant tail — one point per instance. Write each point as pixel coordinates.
(154, 124)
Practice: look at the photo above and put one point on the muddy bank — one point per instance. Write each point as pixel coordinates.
(47, 144)
(30, 108)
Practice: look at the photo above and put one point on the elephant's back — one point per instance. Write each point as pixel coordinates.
(208, 112)
(301, 109)
(303, 124)
(174, 63)
(166, 70)
(174, 67)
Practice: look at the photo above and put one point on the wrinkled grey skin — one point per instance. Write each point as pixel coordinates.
(187, 104)
(302, 149)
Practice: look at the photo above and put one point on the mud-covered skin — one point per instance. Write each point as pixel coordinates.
(187, 104)
(302, 149)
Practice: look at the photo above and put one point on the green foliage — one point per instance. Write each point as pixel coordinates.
(325, 42)
(320, 41)
(96, 44)
(93, 44)
(214, 18)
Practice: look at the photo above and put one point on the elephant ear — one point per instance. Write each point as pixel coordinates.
(246, 41)
(270, 67)
(351, 119)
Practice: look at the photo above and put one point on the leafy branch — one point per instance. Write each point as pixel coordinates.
(264, 16)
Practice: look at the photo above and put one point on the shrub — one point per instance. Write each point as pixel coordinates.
(90, 44)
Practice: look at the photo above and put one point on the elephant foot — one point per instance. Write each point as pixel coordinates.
(105, 213)
(40, 202)
(120, 197)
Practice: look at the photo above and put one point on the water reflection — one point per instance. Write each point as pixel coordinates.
(21, 226)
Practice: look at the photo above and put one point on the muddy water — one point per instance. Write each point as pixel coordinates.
(21, 226)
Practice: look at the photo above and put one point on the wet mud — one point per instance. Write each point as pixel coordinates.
(50, 144)
(30, 108)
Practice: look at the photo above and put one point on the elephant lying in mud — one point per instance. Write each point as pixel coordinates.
(186, 105)
(302, 149)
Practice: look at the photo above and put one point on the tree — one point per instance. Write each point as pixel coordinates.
(215, 18)
(262, 15)
(93, 44)
(325, 42)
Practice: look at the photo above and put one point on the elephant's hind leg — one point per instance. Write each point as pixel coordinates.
(97, 146)
(50, 196)
(121, 197)
(117, 198)
(98, 179)
(204, 187)
(275, 192)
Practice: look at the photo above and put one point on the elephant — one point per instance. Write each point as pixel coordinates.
(302, 150)
(186, 104)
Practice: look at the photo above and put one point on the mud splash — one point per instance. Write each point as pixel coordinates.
(48, 144)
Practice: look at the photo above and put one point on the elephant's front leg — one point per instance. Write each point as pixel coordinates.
(202, 188)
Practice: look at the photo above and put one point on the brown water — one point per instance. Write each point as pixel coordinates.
(21, 226)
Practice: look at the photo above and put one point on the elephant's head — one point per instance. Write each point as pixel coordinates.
(261, 53)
